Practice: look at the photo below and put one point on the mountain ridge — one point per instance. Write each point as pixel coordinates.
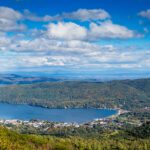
(126, 94)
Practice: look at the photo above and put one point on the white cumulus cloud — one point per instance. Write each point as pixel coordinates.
(9, 20)
(66, 31)
(87, 14)
(108, 29)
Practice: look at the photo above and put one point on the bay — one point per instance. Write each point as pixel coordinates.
(26, 112)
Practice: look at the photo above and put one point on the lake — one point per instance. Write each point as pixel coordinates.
(26, 112)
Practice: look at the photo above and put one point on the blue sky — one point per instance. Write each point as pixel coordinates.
(94, 38)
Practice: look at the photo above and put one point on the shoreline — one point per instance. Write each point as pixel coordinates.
(118, 112)
(46, 107)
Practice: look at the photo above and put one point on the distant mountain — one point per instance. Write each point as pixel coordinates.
(17, 79)
(9, 79)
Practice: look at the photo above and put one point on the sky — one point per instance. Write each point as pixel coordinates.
(94, 38)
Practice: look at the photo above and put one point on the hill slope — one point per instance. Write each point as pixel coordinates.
(11, 140)
(127, 94)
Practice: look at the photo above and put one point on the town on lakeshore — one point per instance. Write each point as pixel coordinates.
(45, 125)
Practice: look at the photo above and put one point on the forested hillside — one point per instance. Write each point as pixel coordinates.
(11, 140)
(126, 94)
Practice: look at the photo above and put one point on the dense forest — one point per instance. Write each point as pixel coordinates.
(135, 139)
(126, 94)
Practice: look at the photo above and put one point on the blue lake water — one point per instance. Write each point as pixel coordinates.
(26, 112)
